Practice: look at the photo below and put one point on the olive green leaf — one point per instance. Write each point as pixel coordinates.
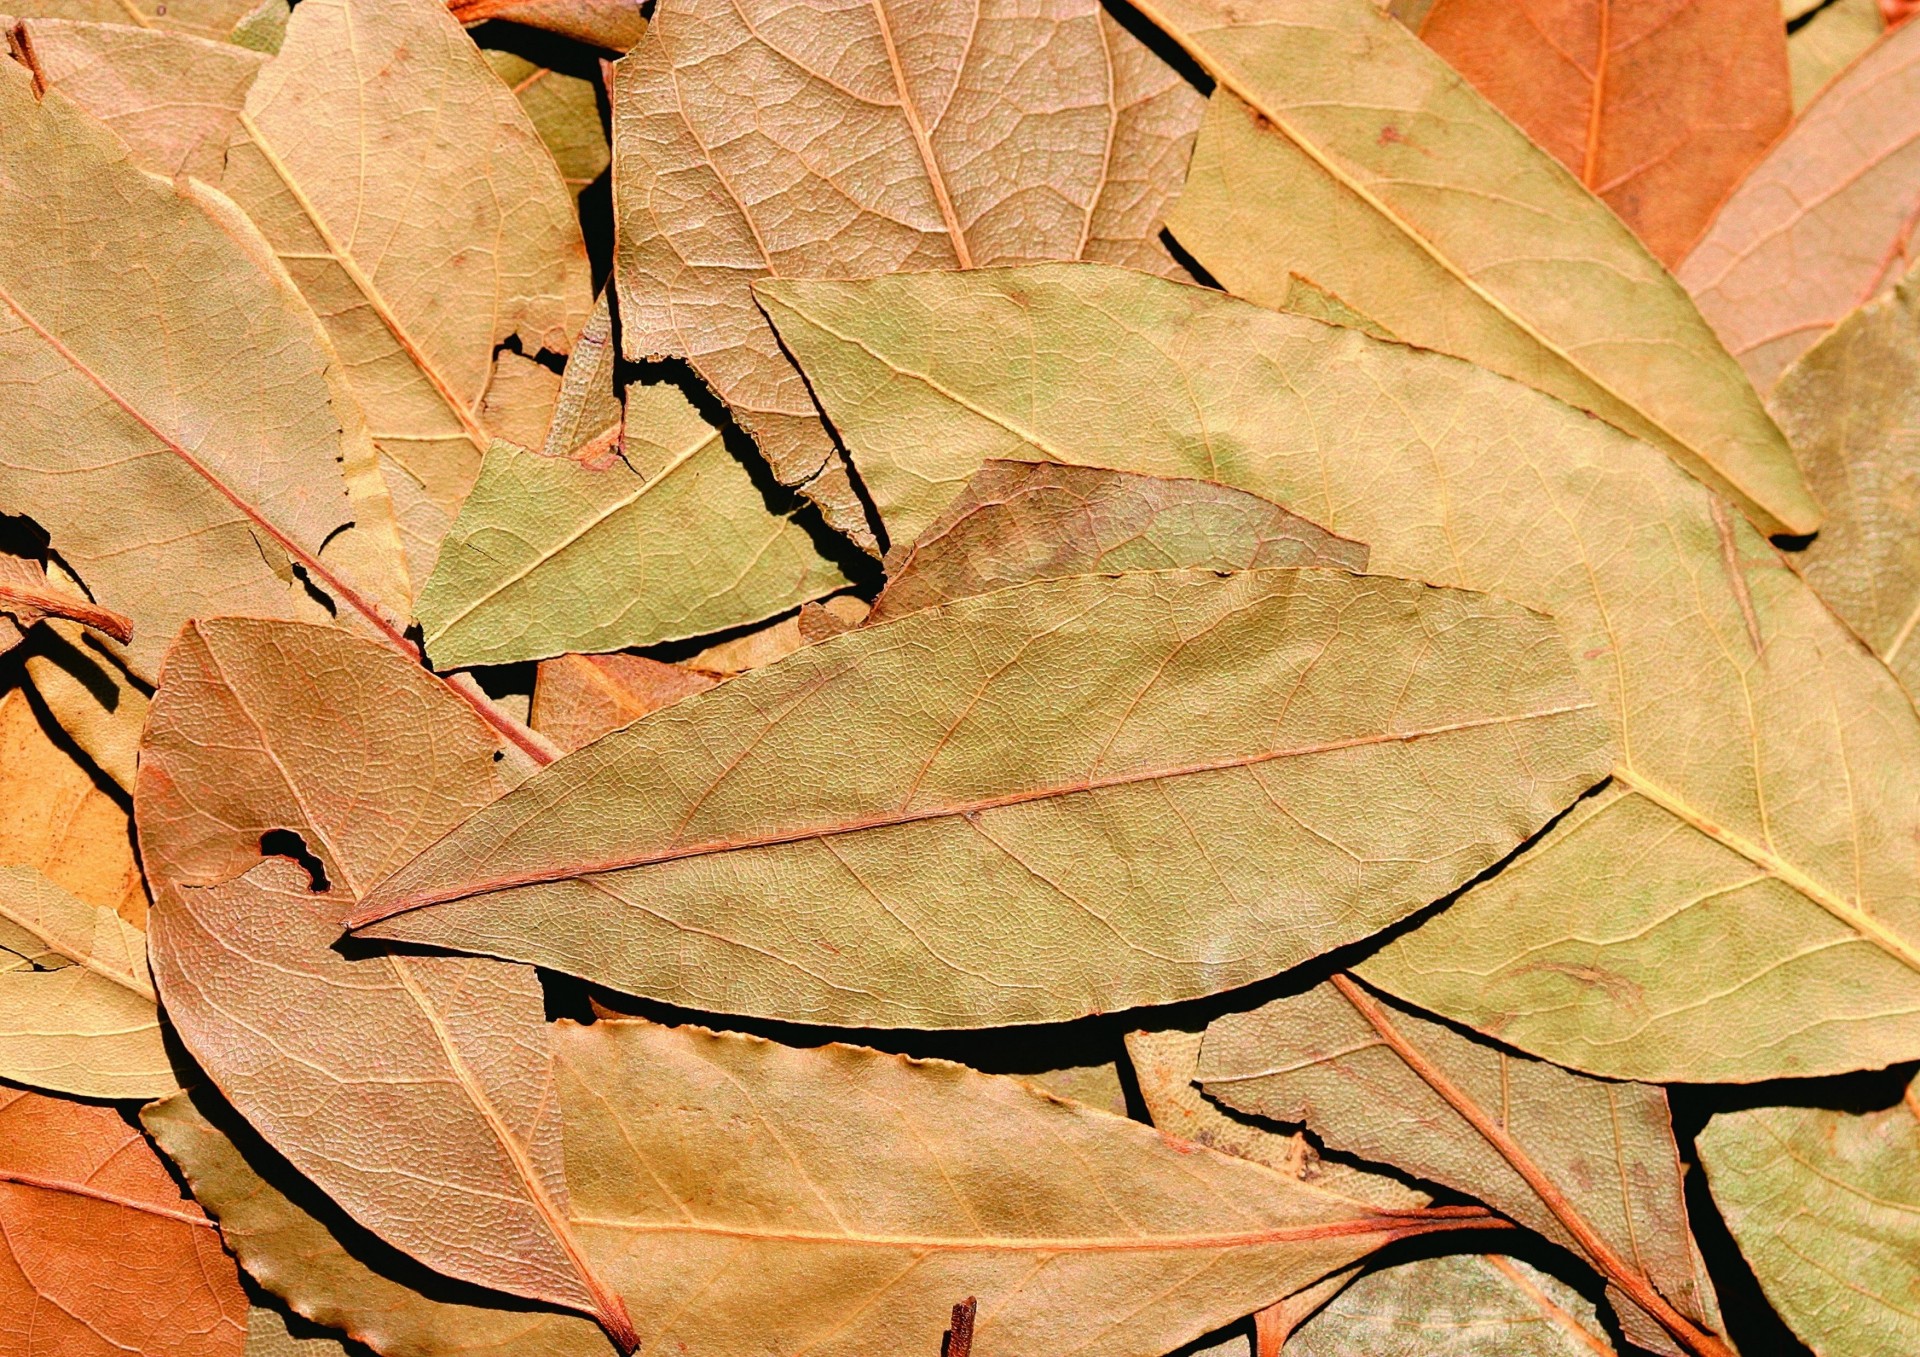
(1825, 1206)
(424, 240)
(728, 1185)
(76, 1003)
(1851, 404)
(1456, 1305)
(1828, 43)
(1742, 901)
(1340, 148)
(1064, 798)
(294, 1241)
(174, 99)
(1020, 521)
(1589, 1164)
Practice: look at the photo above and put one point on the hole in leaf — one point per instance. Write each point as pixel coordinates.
(285, 843)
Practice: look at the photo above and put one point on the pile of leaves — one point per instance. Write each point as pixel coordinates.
(949, 676)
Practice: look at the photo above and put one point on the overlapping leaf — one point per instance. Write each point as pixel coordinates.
(1658, 109)
(1825, 222)
(1828, 41)
(1059, 799)
(1341, 150)
(801, 138)
(579, 698)
(416, 1091)
(729, 1184)
(1740, 902)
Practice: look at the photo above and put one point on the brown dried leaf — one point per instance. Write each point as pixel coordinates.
(579, 698)
(56, 820)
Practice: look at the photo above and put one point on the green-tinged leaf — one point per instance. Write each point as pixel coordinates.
(925, 134)
(1457, 1305)
(174, 99)
(1851, 404)
(1589, 1164)
(1829, 42)
(589, 414)
(294, 1241)
(1825, 222)
(728, 1184)
(265, 732)
(671, 539)
(203, 18)
(263, 29)
(170, 411)
(1825, 1206)
(1338, 147)
(1064, 798)
(564, 108)
(424, 243)
(1021, 521)
(1742, 901)
(76, 1003)
(269, 1335)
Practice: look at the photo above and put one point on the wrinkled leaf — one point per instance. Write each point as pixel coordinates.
(1659, 109)
(1829, 42)
(1851, 405)
(671, 540)
(99, 1254)
(579, 698)
(1064, 798)
(262, 728)
(1020, 521)
(803, 138)
(170, 413)
(1459, 1305)
(174, 99)
(1824, 222)
(423, 240)
(727, 1183)
(1824, 1206)
(589, 414)
(1590, 1165)
(295, 1242)
(1703, 926)
(1341, 149)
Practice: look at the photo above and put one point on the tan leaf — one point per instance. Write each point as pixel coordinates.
(26, 597)
(903, 135)
(99, 1254)
(612, 24)
(1590, 1165)
(1020, 521)
(564, 108)
(1851, 404)
(1828, 42)
(262, 729)
(727, 1183)
(174, 99)
(1824, 223)
(92, 698)
(1339, 148)
(579, 698)
(293, 1240)
(765, 645)
(1150, 776)
(1741, 902)
(423, 243)
(212, 19)
(54, 819)
(1659, 109)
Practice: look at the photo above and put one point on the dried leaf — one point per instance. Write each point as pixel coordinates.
(670, 541)
(579, 698)
(1590, 1165)
(1851, 404)
(588, 419)
(1460, 1305)
(1822, 1203)
(1659, 109)
(203, 18)
(815, 840)
(564, 109)
(99, 1255)
(1340, 148)
(1020, 521)
(1705, 926)
(295, 1242)
(613, 24)
(169, 413)
(76, 1003)
(269, 1336)
(54, 819)
(1829, 42)
(173, 99)
(928, 134)
(263, 728)
(423, 243)
(764, 645)
(28, 597)
(93, 699)
(1824, 223)
(710, 1178)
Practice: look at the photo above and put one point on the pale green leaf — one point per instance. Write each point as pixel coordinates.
(1829, 42)
(1456, 1305)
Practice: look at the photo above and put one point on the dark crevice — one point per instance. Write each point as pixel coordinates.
(1796, 24)
(287, 843)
